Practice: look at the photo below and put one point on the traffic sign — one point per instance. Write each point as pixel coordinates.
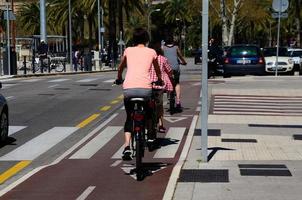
(280, 5)
(282, 15)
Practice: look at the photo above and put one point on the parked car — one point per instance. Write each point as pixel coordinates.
(243, 60)
(285, 62)
(296, 55)
(3, 118)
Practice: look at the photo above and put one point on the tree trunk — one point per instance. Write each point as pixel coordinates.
(224, 22)
(232, 25)
(112, 52)
(298, 22)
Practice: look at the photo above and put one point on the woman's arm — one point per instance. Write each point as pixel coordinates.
(157, 69)
(183, 61)
(121, 68)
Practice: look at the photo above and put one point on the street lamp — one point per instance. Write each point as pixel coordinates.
(149, 15)
(70, 35)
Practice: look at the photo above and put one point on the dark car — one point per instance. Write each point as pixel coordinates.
(243, 60)
(3, 118)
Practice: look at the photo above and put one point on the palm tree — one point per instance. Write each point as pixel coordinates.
(29, 17)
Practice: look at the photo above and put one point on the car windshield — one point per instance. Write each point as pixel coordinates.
(273, 52)
(297, 54)
(243, 51)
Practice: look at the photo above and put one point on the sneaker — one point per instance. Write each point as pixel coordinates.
(161, 129)
(127, 154)
(178, 107)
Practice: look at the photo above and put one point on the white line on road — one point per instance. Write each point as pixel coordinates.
(58, 80)
(52, 86)
(10, 97)
(116, 163)
(119, 153)
(87, 80)
(14, 129)
(86, 193)
(173, 136)
(30, 80)
(40, 144)
(109, 81)
(97, 143)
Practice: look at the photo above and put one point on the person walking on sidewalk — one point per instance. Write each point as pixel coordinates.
(174, 56)
(138, 60)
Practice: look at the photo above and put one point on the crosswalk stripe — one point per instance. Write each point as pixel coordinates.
(87, 80)
(119, 153)
(30, 80)
(174, 135)
(58, 80)
(97, 143)
(109, 81)
(40, 144)
(6, 86)
(15, 129)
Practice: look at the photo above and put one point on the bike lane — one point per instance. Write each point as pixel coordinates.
(95, 170)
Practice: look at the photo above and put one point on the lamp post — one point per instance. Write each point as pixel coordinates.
(70, 34)
(149, 15)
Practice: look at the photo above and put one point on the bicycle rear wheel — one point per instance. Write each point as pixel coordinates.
(139, 153)
(172, 102)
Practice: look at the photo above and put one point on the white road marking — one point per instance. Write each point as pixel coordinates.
(119, 153)
(30, 80)
(97, 143)
(174, 135)
(174, 119)
(109, 81)
(58, 80)
(10, 97)
(116, 163)
(64, 155)
(86, 193)
(87, 80)
(15, 129)
(52, 86)
(6, 86)
(40, 144)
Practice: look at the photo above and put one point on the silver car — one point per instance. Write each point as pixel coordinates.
(3, 118)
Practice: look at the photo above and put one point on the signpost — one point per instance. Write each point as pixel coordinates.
(204, 81)
(279, 6)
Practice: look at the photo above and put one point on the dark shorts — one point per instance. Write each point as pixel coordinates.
(129, 105)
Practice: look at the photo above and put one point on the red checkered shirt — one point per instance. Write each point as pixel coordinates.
(165, 69)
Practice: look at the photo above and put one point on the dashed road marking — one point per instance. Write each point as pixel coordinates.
(88, 120)
(86, 193)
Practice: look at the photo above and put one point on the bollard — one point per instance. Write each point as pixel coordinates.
(24, 64)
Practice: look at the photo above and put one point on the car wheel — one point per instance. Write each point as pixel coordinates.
(300, 70)
(292, 72)
(3, 126)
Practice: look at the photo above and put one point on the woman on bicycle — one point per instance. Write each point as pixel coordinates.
(138, 60)
(172, 52)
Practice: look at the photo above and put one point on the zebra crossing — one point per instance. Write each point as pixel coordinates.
(40, 144)
(262, 105)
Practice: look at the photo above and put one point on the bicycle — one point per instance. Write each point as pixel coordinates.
(138, 133)
(48, 64)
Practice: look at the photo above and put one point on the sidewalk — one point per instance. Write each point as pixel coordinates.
(29, 73)
(249, 159)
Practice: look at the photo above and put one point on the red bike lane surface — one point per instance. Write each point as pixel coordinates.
(108, 177)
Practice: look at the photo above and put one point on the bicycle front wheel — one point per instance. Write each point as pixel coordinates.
(59, 67)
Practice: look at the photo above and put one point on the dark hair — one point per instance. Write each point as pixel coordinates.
(169, 39)
(140, 36)
(157, 47)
